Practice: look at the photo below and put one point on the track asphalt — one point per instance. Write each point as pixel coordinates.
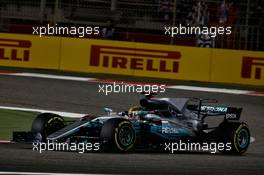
(83, 97)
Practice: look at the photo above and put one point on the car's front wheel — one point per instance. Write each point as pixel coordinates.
(119, 135)
(46, 124)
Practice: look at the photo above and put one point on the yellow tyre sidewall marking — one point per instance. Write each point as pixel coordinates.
(116, 136)
(52, 119)
(235, 137)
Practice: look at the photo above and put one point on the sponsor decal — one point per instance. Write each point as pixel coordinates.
(231, 116)
(135, 59)
(217, 109)
(169, 130)
(252, 67)
(10, 49)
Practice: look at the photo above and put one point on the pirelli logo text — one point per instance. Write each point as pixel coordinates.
(15, 50)
(253, 67)
(135, 59)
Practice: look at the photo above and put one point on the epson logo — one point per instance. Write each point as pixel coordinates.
(231, 116)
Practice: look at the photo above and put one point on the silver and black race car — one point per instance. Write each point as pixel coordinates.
(151, 124)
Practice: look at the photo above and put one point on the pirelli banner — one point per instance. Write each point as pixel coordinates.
(137, 59)
(163, 61)
(134, 59)
(240, 67)
(29, 51)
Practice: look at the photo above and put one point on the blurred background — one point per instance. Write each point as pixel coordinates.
(144, 20)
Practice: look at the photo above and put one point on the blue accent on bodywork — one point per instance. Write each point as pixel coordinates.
(179, 132)
(156, 130)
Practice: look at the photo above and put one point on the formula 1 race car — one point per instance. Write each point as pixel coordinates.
(155, 122)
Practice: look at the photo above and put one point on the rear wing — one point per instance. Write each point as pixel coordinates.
(231, 113)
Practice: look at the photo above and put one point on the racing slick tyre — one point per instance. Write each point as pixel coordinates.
(236, 134)
(46, 124)
(118, 135)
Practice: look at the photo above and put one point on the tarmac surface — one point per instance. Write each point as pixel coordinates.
(83, 97)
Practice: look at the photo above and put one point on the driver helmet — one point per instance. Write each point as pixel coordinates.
(133, 112)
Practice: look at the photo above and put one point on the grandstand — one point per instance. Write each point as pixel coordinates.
(140, 20)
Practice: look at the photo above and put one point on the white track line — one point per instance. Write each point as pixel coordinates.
(39, 173)
(206, 89)
(180, 87)
(64, 114)
(58, 77)
(252, 139)
(5, 141)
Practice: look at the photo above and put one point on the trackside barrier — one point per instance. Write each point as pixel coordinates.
(242, 67)
(29, 51)
(130, 58)
(137, 59)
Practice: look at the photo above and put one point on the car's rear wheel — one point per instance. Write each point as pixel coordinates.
(46, 124)
(118, 134)
(237, 135)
